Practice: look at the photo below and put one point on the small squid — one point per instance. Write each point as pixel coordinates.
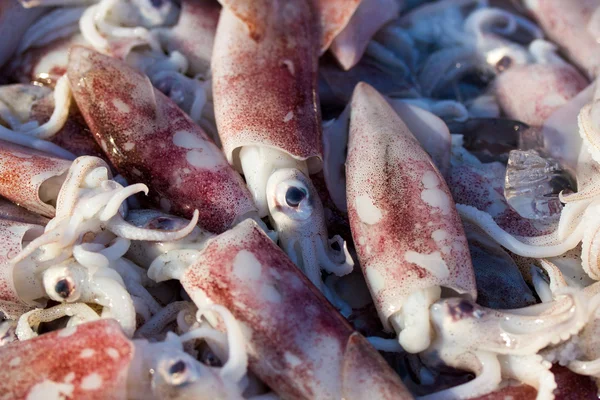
(267, 112)
(408, 236)
(503, 344)
(297, 343)
(150, 140)
(96, 360)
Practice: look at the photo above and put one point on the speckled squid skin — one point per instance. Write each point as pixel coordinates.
(297, 343)
(575, 26)
(407, 233)
(265, 87)
(22, 172)
(11, 243)
(89, 361)
(150, 140)
(531, 93)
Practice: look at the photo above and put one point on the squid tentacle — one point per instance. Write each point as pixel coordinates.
(82, 311)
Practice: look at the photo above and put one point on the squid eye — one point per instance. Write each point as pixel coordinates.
(294, 196)
(179, 373)
(177, 368)
(64, 287)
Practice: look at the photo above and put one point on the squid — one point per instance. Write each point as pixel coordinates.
(39, 178)
(78, 255)
(17, 295)
(267, 112)
(503, 344)
(408, 237)
(574, 26)
(149, 139)
(431, 132)
(96, 360)
(296, 342)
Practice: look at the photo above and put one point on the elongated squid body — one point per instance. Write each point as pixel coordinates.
(297, 343)
(267, 112)
(531, 93)
(574, 26)
(408, 236)
(97, 361)
(149, 139)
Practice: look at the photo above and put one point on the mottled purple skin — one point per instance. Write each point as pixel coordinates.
(23, 171)
(297, 343)
(150, 140)
(265, 78)
(411, 216)
(57, 357)
(42, 65)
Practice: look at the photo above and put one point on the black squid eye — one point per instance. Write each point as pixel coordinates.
(64, 287)
(177, 368)
(294, 196)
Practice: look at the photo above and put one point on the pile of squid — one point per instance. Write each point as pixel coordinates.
(299, 199)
